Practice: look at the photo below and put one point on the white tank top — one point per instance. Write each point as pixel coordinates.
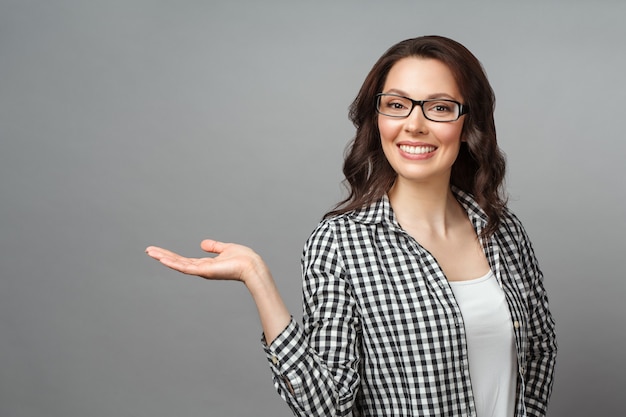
(490, 345)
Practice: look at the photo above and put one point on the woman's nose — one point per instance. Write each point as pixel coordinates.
(416, 122)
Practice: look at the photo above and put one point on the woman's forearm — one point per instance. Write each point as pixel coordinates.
(273, 313)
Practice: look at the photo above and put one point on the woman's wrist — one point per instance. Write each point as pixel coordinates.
(257, 275)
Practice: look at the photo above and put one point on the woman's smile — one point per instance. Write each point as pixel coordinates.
(420, 150)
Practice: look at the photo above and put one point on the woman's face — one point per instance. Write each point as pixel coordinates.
(418, 149)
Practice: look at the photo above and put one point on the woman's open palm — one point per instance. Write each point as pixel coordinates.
(233, 262)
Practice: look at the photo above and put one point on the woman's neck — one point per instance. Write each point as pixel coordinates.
(430, 207)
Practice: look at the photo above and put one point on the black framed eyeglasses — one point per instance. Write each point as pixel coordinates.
(437, 110)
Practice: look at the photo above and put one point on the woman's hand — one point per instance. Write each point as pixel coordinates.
(233, 262)
(238, 263)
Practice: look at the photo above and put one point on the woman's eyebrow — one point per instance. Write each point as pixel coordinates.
(429, 97)
(441, 95)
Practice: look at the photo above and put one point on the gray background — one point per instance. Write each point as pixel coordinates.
(129, 123)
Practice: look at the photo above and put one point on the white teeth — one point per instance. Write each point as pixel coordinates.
(416, 150)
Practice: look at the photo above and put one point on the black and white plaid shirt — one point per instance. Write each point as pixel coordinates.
(382, 334)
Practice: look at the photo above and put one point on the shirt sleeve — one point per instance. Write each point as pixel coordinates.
(315, 366)
(541, 346)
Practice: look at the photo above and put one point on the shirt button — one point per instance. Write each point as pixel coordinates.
(274, 360)
(516, 324)
(521, 371)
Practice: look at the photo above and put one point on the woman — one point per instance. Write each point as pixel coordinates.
(422, 295)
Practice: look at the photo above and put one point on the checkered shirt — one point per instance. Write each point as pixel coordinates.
(382, 334)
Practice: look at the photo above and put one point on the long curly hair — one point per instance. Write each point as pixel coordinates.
(480, 166)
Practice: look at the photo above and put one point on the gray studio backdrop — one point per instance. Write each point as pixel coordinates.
(126, 123)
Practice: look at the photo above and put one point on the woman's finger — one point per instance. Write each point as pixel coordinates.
(187, 266)
(158, 253)
(212, 246)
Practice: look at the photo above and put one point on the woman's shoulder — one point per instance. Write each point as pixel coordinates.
(511, 226)
(330, 225)
(348, 225)
(325, 230)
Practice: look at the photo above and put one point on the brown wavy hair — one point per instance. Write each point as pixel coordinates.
(480, 166)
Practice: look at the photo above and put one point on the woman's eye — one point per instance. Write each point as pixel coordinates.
(440, 107)
(397, 105)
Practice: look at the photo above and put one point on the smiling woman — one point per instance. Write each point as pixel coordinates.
(417, 270)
